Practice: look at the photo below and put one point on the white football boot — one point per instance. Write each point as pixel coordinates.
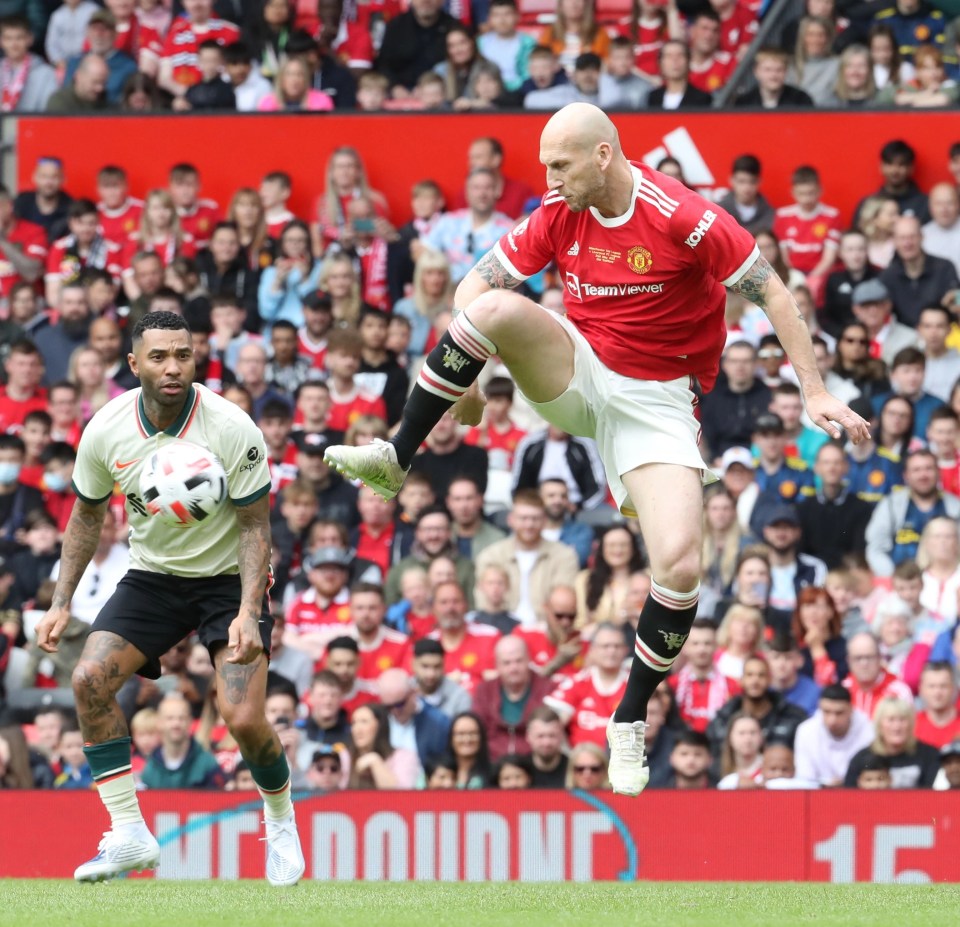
(627, 773)
(119, 853)
(375, 465)
(285, 862)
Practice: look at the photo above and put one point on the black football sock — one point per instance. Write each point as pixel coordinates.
(664, 624)
(447, 373)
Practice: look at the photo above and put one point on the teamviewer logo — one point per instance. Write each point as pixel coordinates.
(573, 286)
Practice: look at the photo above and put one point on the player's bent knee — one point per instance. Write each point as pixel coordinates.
(89, 678)
(680, 573)
(243, 723)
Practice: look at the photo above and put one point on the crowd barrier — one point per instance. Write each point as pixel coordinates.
(402, 148)
(538, 836)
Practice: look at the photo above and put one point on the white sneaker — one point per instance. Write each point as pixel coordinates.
(626, 770)
(118, 853)
(374, 464)
(285, 862)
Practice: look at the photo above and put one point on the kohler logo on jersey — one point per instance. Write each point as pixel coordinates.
(583, 291)
(693, 239)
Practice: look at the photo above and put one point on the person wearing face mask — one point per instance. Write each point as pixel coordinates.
(58, 459)
(17, 501)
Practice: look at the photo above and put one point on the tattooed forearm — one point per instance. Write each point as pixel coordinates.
(495, 274)
(79, 544)
(253, 553)
(753, 284)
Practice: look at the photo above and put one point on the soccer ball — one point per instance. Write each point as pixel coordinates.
(183, 484)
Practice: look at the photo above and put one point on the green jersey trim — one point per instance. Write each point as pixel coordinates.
(249, 500)
(87, 499)
(178, 426)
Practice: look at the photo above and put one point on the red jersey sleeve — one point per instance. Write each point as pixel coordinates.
(529, 246)
(565, 698)
(54, 259)
(723, 247)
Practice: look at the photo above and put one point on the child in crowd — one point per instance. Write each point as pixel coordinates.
(504, 45)
(74, 769)
(275, 191)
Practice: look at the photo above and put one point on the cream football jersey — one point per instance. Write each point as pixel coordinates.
(115, 447)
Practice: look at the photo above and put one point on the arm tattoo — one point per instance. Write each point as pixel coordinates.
(253, 552)
(753, 284)
(79, 544)
(492, 272)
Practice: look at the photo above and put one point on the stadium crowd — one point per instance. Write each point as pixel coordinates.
(474, 632)
(321, 55)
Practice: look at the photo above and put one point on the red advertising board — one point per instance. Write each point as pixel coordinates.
(400, 149)
(529, 836)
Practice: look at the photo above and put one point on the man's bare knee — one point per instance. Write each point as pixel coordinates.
(89, 679)
(680, 572)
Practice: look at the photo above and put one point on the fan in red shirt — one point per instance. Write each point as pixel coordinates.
(943, 435)
(710, 66)
(497, 434)
(868, 682)
(322, 611)
(159, 233)
(586, 701)
(556, 650)
(648, 31)
(317, 321)
(198, 217)
(468, 648)
(119, 212)
(276, 423)
(348, 401)
(808, 230)
(23, 247)
(343, 660)
(23, 393)
(700, 690)
(374, 538)
(178, 60)
(646, 263)
(738, 25)
(512, 195)
(141, 42)
(381, 648)
(938, 722)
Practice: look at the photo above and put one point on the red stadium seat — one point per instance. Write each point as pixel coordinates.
(537, 12)
(612, 11)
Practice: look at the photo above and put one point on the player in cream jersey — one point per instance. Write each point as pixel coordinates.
(118, 442)
(210, 579)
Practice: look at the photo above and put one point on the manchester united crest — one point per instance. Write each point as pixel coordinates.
(639, 260)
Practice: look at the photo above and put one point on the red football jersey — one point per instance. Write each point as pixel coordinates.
(651, 34)
(543, 650)
(277, 225)
(499, 445)
(183, 40)
(467, 663)
(165, 248)
(376, 549)
(391, 649)
(134, 37)
(738, 29)
(14, 411)
(198, 222)
(363, 692)
(420, 625)
(31, 239)
(119, 224)
(585, 705)
(929, 733)
(646, 289)
(283, 471)
(713, 74)
(345, 410)
(315, 350)
(803, 235)
(306, 613)
(65, 261)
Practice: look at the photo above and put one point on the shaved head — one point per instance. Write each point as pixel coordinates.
(580, 148)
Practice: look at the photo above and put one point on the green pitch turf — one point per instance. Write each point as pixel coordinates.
(312, 904)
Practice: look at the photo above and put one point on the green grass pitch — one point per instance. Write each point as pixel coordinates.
(312, 904)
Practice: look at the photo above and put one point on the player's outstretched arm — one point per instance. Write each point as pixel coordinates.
(761, 285)
(253, 558)
(487, 274)
(80, 541)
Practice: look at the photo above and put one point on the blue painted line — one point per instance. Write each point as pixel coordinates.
(629, 874)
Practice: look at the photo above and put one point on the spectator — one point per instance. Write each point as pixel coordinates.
(855, 86)
(378, 538)
(939, 559)
(493, 586)
(505, 45)
(583, 87)
(72, 257)
(212, 92)
(343, 660)
(432, 296)
(602, 591)
(179, 761)
(47, 203)
(888, 66)
(374, 763)
(877, 216)
(178, 60)
(461, 63)
(586, 701)
(868, 682)
(949, 775)
(620, 85)
(816, 627)
(292, 91)
(827, 741)
(320, 613)
(327, 723)
(414, 724)
(838, 306)
(741, 761)
(58, 342)
(554, 454)
(779, 477)
(575, 31)
(87, 91)
(745, 202)
(834, 522)
(249, 86)
(533, 564)
(772, 90)
(560, 525)
(325, 772)
(690, 762)
(786, 661)
(937, 723)
(468, 747)
(447, 456)
(441, 773)
(74, 769)
(379, 367)
(874, 773)
(26, 80)
(912, 764)
(413, 43)
(734, 404)
(710, 66)
(873, 309)
(545, 743)
(808, 229)
(941, 364)
(897, 162)
(292, 277)
(739, 637)
(328, 74)
(435, 688)
(293, 665)
(512, 771)
(587, 768)
(700, 689)
(545, 71)
(380, 648)
(814, 68)
(676, 91)
(101, 39)
(913, 278)
(941, 235)
(791, 571)
(898, 520)
(723, 538)
(912, 22)
(556, 648)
